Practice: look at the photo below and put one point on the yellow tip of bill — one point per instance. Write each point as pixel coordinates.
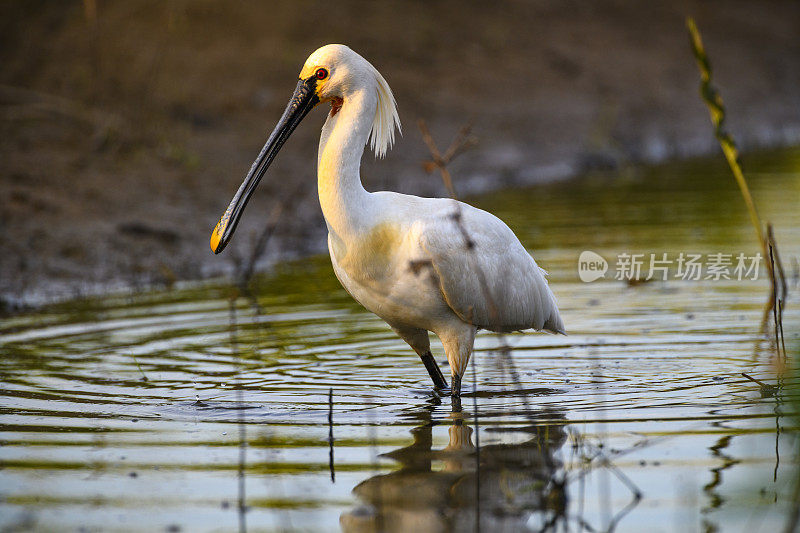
(216, 237)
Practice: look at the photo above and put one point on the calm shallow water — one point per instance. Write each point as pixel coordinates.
(121, 413)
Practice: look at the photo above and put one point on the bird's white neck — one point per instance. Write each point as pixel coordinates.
(341, 195)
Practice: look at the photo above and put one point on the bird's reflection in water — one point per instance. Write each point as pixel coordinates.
(498, 487)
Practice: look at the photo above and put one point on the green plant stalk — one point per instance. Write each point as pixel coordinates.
(716, 109)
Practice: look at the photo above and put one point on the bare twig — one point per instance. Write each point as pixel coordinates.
(774, 305)
(766, 388)
(144, 377)
(780, 328)
(477, 448)
(780, 288)
(282, 204)
(372, 436)
(246, 269)
(594, 456)
(461, 143)
(330, 435)
(242, 507)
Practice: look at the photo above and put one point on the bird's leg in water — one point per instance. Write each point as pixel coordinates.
(418, 340)
(433, 369)
(457, 341)
(455, 405)
(455, 390)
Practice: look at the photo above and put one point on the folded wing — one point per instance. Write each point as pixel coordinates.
(485, 274)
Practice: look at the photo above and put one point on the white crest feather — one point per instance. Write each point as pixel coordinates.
(381, 137)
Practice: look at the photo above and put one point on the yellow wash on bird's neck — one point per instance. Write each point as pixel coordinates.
(370, 257)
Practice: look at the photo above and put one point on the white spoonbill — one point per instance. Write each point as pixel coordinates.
(407, 259)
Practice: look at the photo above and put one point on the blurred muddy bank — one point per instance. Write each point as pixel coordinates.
(126, 127)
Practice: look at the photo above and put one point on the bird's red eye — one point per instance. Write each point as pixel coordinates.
(321, 74)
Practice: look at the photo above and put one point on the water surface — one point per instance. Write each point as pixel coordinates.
(122, 413)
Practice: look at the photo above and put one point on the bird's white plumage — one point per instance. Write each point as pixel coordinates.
(406, 258)
(496, 284)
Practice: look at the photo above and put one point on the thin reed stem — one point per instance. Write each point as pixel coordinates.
(716, 109)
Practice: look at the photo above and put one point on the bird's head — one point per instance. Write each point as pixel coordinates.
(332, 74)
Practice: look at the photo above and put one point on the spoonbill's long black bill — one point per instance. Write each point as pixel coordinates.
(303, 100)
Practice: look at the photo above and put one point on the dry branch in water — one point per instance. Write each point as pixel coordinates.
(769, 248)
(716, 109)
(461, 143)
